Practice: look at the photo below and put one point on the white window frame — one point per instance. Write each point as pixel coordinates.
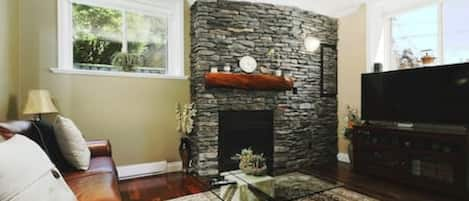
(170, 9)
(441, 42)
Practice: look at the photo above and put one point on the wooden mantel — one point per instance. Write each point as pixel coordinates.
(247, 81)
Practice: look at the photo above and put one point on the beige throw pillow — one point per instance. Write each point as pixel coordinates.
(71, 143)
(26, 173)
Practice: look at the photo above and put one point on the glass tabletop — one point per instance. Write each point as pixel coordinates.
(284, 187)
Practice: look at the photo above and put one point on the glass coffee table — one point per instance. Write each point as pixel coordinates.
(284, 187)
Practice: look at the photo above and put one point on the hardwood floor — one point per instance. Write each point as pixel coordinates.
(161, 187)
(168, 186)
(378, 188)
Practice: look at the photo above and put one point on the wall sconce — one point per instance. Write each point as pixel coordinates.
(312, 43)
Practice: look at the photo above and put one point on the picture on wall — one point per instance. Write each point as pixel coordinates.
(328, 80)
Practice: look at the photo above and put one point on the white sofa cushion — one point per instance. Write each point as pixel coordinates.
(26, 173)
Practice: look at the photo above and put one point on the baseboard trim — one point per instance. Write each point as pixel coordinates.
(133, 171)
(343, 157)
(174, 167)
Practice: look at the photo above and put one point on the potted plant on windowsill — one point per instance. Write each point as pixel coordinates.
(184, 115)
(353, 119)
(127, 61)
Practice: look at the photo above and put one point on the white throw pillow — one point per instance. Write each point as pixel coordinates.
(71, 143)
(26, 173)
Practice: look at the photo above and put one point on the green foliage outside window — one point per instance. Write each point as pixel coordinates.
(98, 36)
(95, 51)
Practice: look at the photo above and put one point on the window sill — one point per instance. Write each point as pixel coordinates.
(116, 74)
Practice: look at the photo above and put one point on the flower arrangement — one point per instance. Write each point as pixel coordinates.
(352, 118)
(250, 163)
(184, 115)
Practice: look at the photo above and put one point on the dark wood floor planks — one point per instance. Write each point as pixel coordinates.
(168, 186)
(378, 188)
(161, 187)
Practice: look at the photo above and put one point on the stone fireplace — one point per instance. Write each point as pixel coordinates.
(304, 124)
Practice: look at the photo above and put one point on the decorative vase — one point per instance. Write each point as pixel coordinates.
(185, 153)
(428, 60)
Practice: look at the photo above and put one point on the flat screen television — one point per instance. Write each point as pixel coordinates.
(437, 95)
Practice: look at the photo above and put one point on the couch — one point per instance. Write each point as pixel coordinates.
(98, 183)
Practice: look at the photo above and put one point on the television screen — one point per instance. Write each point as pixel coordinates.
(423, 95)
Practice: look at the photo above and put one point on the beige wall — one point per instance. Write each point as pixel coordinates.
(352, 62)
(8, 58)
(136, 114)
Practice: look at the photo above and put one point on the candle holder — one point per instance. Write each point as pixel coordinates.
(278, 73)
(214, 70)
(227, 68)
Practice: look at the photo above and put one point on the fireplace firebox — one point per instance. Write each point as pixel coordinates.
(244, 129)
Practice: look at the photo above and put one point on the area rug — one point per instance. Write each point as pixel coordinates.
(337, 194)
(205, 196)
(296, 185)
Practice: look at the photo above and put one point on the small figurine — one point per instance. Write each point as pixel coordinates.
(264, 70)
(408, 60)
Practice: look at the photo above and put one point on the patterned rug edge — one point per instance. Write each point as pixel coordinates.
(337, 194)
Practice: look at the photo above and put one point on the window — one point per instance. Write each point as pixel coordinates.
(456, 42)
(437, 29)
(121, 37)
(415, 31)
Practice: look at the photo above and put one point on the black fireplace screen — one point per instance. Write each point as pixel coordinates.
(244, 129)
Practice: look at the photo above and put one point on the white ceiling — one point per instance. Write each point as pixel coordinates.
(334, 8)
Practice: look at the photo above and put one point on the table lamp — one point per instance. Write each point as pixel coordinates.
(39, 102)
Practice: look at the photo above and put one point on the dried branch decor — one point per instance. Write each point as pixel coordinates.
(184, 115)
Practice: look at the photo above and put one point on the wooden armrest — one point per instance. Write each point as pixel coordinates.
(100, 148)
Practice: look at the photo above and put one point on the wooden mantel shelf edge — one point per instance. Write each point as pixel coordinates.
(247, 81)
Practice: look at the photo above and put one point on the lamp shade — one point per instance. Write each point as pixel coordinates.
(312, 44)
(39, 102)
